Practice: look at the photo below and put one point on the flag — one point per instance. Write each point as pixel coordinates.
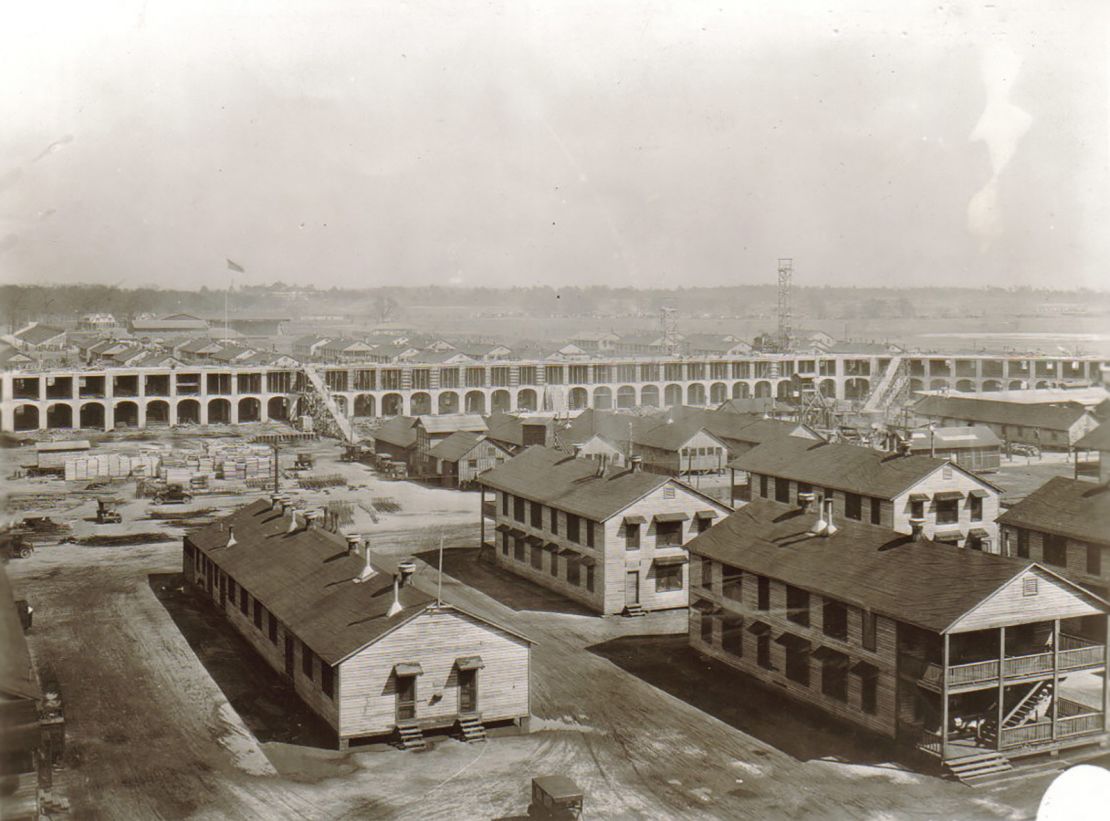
(234, 266)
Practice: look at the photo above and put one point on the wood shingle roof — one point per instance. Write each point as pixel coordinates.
(1066, 507)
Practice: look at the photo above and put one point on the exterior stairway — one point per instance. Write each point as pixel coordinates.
(325, 412)
(978, 768)
(893, 381)
(472, 730)
(1022, 712)
(412, 738)
(634, 610)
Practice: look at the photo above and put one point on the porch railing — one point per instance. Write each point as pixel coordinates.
(1026, 734)
(1078, 654)
(1079, 725)
(929, 742)
(973, 673)
(1027, 665)
(1090, 656)
(1041, 731)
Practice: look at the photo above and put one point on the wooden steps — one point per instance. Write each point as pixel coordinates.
(979, 768)
(634, 610)
(473, 732)
(412, 738)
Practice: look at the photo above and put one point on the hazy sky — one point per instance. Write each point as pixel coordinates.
(561, 142)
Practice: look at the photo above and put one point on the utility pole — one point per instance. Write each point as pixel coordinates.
(785, 330)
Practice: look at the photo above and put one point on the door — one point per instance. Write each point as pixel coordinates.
(468, 691)
(289, 656)
(223, 590)
(632, 587)
(406, 698)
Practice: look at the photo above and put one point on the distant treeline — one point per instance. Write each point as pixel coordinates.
(23, 303)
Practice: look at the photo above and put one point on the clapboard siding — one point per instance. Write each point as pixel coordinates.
(435, 640)
(1076, 558)
(1009, 605)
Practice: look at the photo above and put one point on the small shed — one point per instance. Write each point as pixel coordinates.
(53, 455)
(974, 447)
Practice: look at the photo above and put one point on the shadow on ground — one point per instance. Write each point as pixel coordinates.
(262, 697)
(801, 731)
(511, 590)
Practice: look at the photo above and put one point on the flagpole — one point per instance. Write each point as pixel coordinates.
(439, 589)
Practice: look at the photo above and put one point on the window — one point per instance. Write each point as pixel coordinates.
(1094, 560)
(797, 662)
(976, 508)
(1023, 544)
(572, 528)
(1029, 586)
(948, 511)
(504, 543)
(504, 504)
(555, 564)
(668, 578)
(763, 486)
(1055, 550)
(763, 599)
(537, 557)
(668, 534)
(703, 523)
(555, 521)
(763, 651)
(590, 577)
(518, 549)
(518, 509)
(834, 619)
(231, 589)
(797, 605)
(782, 490)
(706, 566)
(258, 614)
(917, 510)
(834, 676)
(472, 464)
(732, 635)
(306, 660)
(327, 680)
(869, 624)
(803, 488)
(732, 582)
(589, 533)
(272, 625)
(632, 537)
(707, 628)
(876, 511)
(244, 600)
(853, 506)
(869, 694)
(537, 514)
(574, 572)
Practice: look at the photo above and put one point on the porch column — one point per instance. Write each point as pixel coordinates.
(944, 702)
(482, 515)
(1106, 680)
(1001, 687)
(1055, 673)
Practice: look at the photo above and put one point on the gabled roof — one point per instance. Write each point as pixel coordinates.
(441, 358)
(169, 325)
(1047, 416)
(842, 466)
(504, 427)
(1066, 507)
(17, 675)
(310, 340)
(924, 583)
(671, 436)
(449, 423)
(751, 405)
(400, 431)
(575, 485)
(458, 445)
(954, 438)
(38, 334)
(8, 354)
(615, 427)
(1097, 439)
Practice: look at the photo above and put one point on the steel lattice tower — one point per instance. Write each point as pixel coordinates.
(786, 331)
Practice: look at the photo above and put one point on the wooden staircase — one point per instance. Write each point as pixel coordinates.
(1024, 711)
(472, 730)
(979, 768)
(412, 738)
(634, 610)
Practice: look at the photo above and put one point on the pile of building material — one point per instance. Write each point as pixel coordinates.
(231, 461)
(112, 466)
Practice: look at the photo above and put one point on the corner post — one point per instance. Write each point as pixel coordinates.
(482, 515)
(1055, 673)
(944, 702)
(1001, 687)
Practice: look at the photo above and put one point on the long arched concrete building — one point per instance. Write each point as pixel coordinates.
(106, 398)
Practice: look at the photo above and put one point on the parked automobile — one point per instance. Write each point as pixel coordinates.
(555, 796)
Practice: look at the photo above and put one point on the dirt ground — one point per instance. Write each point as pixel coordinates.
(169, 714)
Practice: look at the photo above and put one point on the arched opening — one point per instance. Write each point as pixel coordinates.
(1041, 384)
(578, 399)
(250, 409)
(1016, 385)
(856, 388)
(672, 395)
(695, 394)
(364, 405)
(276, 407)
(626, 397)
(649, 396)
(158, 413)
(500, 401)
(762, 390)
(27, 417)
(421, 403)
(126, 415)
(59, 417)
(965, 385)
(990, 385)
(827, 388)
(188, 412)
(741, 390)
(448, 402)
(916, 385)
(340, 403)
(603, 398)
(219, 411)
(475, 402)
(938, 385)
(92, 415)
(392, 404)
(784, 390)
(526, 400)
(718, 393)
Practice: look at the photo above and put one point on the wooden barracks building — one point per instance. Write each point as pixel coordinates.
(611, 538)
(364, 649)
(968, 657)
